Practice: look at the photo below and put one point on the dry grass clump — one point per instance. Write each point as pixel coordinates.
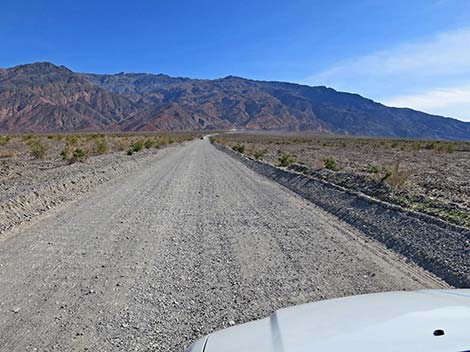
(397, 177)
(101, 147)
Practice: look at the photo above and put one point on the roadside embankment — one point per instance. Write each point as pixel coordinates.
(437, 246)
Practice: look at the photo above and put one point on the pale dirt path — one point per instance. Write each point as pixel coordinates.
(192, 243)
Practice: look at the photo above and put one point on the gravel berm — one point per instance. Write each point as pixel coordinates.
(190, 243)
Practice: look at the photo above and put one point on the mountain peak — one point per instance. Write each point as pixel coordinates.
(40, 68)
(233, 78)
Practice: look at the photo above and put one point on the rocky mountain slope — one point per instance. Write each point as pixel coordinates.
(43, 97)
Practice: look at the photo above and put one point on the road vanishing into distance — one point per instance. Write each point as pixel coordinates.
(193, 242)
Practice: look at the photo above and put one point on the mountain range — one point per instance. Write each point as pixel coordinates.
(43, 97)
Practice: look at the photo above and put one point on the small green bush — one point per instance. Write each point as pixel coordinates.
(65, 153)
(331, 164)
(286, 159)
(79, 155)
(137, 146)
(37, 149)
(239, 148)
(148, 144)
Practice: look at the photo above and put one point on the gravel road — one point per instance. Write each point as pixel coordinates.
(193, 242)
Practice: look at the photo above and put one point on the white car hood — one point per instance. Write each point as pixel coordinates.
(394, 321)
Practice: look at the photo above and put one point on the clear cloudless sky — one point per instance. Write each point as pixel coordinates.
(291, 40)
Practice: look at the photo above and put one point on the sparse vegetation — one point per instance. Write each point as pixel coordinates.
(71, 140)
(372, 169)
(259, 153)
(79, 155)
(4, 140)
(66, 152)
(101, 146)
(331, 164)
(419, 172)
(148, 143)
(37, 148)
(239, 148)
(63, 146)
(137, 146)
(286, 159)
(398, 177)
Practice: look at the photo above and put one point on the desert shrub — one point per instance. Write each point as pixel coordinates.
(148, 144)
(331, 164)
(137, 146)
(430, 146)
(373, 169)
(37, 149)
(239, 148)
(79, 155)
(386, 176)
(416, 146)
(100, 146)
(66, 152)
(397, 177)
(259, 154)
(4, 140)
(163, 140)
(286, 159)
(28, 138)
(71, 140)
(445, 148)
(122, 143)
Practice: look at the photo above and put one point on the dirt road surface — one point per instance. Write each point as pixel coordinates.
(194, 241)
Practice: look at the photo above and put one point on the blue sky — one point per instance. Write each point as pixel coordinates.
(412, 53)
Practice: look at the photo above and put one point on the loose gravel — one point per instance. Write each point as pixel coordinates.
(193, 242)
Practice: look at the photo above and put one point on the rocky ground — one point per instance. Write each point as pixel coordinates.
(189, 242)
(426, 176)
